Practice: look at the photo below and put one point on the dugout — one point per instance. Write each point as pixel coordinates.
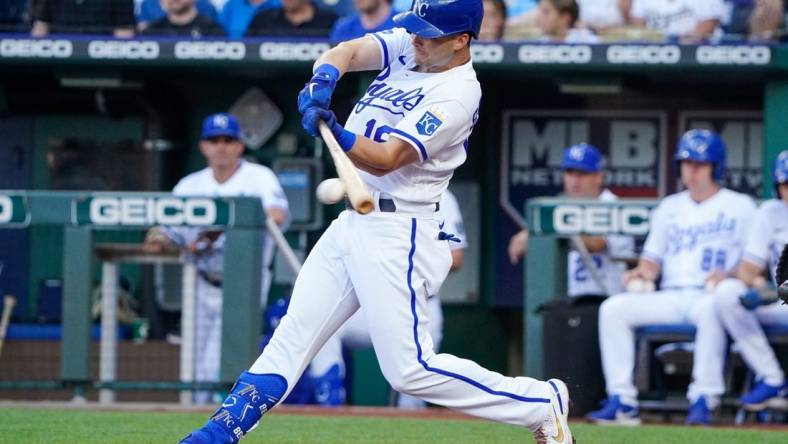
(136, 106)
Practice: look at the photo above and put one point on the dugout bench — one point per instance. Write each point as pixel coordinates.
(83, 213)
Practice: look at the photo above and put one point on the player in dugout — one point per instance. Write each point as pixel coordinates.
(743, 304)
(590, 272)
(405, 146)
(694, 242)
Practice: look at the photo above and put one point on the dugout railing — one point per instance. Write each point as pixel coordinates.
(81, 215)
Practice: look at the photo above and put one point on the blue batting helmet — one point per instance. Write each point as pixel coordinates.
(221, 124)
(703, 146)
(582, 157)
(439, 18)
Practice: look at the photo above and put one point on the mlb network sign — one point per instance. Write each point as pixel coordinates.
(148, 211)
(13, 210)
(554, 216)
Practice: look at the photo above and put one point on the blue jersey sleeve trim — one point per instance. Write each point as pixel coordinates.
(384, 48)
(419, 357)
(413, 141)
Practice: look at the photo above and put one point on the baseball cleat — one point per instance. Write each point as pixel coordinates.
(763, 396)
(555, 428)
(699, 413)
(614, 412)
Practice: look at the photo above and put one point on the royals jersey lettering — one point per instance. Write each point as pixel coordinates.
(691, 240)
(433, 112)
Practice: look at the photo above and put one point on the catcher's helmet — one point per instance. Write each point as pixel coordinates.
(582, 157)
(439, 18)
(703, 146)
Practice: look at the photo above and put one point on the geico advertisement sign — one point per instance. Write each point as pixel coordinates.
(559, 54)
(575, 219)
(487, 53)
(644, 54)
(297, 52)
(152, 211)
(210, 50)
(125, 50)
(42, 49)
(733, 55)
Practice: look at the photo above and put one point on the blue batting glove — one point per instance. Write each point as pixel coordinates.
(318, 90)
(752, 299)
(312, 117)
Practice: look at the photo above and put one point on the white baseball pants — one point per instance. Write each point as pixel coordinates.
(388, 263)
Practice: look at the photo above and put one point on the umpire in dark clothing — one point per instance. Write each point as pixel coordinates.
(294, 18)
(183, 19)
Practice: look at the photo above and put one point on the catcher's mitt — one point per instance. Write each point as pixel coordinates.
(782, 275)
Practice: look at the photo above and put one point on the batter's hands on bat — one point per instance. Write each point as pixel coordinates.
(317, 92)
(312, 118)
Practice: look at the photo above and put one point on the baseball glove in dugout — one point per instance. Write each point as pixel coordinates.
(782, 275)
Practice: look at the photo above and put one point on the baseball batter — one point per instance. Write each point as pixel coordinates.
(742, 306)
(226, 175)
(695, 240)
(328, 366)
(406, 135)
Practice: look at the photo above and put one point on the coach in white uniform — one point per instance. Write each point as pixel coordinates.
(328, 366)
(226, 175)
(742, 306)
(695, 240)
(406, 136)
(583, 178)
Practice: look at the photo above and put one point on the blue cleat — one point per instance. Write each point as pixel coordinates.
(330, 388)
(614, 412)
(699, 413)
(251, 397)
(761, 395)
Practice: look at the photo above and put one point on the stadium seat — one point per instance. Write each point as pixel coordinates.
(648, 338)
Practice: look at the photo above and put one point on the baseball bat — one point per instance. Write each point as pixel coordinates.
(8, 306)
(356, 189)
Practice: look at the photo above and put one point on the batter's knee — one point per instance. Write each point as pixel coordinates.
(727, 292)
(405, 379)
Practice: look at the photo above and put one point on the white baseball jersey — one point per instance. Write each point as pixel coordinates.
(433, 112)
(691, 240)
(600, 13)
(389, 263)
(768, 235)
(677, 17)
(249, 180)
(581, 282)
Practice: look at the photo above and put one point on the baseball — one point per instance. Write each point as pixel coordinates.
(640, 286)
(330, 191)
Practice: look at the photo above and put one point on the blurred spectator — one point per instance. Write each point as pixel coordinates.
(494, 21)
(766, 20)
(556, 19)
(183, 19)
(601, 14)
(294, 18)
(155, 10)
(688, 20)
(521, 12)
(237, 14)
(14, 15)
(372, 16)
(114, 17)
